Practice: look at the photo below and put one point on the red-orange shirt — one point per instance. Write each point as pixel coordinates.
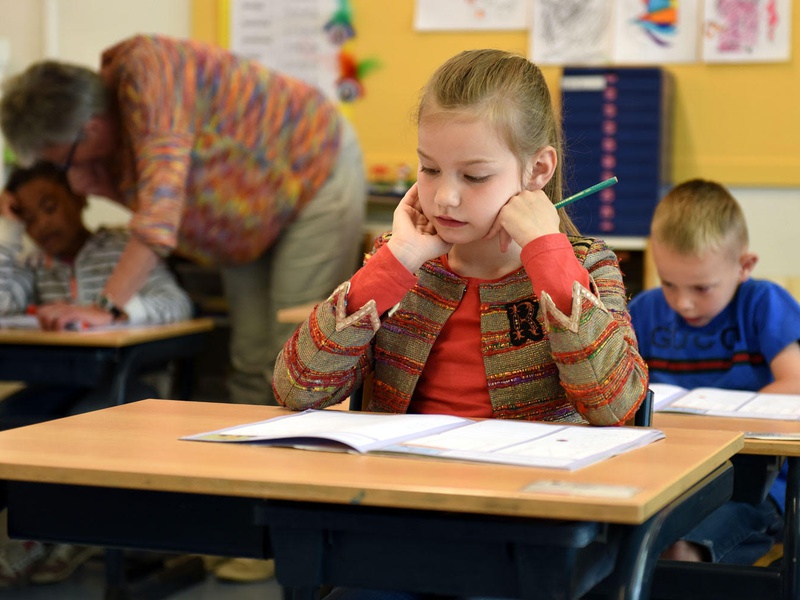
(454, 378)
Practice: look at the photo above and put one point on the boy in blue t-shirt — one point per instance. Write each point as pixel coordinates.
(710, 325)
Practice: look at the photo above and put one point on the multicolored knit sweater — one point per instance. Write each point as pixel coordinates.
(218, 154)
(585, 368)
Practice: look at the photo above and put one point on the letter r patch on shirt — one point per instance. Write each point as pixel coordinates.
(522, 321)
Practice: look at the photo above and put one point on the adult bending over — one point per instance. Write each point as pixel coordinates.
(221, 160)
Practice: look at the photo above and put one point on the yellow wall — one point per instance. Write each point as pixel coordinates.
(739, 124)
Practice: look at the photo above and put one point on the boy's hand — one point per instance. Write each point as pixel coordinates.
(525, 217)
(414, 239)
(62, 315)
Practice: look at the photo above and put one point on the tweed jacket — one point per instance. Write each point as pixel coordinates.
(540, 364)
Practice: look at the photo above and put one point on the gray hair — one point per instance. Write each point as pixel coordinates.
(48, 104)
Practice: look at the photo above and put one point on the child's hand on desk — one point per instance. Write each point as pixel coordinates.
(525, 217)
(414, 238)
(59, 316)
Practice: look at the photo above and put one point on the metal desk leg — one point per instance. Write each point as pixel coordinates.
(131, 360)
(791, 542)
(638, 556)
(115, 573)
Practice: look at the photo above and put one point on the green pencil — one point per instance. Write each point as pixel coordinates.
(587, 192)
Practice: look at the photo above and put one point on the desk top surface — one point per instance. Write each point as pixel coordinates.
(137, 446)
(107, 338)
(772, 447)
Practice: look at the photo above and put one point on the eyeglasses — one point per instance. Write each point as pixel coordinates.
(67, 164)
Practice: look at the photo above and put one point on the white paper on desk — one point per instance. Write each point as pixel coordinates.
(665, 393)
(32, 322)
(530, 444)
(777, 406)
(116, 327)
(712, 400)
(19, 322)
(319, 429)
(441, 436)
(731, 403)
(772, 435)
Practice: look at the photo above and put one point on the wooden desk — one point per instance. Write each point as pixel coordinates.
(295, 314)
(91, 358)
(734, 582)
(368, 521)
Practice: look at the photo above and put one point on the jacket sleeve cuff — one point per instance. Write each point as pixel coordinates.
(582, 300)
(367, 315)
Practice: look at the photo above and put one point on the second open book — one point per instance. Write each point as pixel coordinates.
(725, 403)
(442, 436)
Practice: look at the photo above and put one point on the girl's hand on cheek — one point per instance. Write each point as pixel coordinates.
(525, 217)
(414, 239)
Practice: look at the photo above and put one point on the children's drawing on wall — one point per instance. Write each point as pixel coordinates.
(465, 15)
(747, 30)
(656, 31)
(350, 84)
(571, 32)
(309, 39)
(288, 36)
(340, 31)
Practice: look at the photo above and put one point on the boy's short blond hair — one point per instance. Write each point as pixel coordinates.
(697, 216)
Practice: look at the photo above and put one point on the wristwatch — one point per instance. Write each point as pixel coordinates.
(105, 303)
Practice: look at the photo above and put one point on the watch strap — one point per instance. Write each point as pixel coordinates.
(105, 303)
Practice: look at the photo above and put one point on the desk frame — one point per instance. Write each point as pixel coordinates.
(705, 581)
(92, 361)
(138, 485)
(714, 581)
(318, 544)
(470, 555)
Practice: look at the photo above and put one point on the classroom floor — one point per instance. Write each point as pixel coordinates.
(88, 583)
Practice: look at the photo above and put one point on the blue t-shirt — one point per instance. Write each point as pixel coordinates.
(733, 351)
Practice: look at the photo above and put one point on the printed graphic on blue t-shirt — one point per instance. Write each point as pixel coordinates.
(733, 351)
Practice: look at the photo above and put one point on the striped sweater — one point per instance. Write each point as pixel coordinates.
(36, 278)
(585, 368)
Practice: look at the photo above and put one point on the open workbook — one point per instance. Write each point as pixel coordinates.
(725, 403)
(442, 436)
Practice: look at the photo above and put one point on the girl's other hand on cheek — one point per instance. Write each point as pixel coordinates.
(414, 238)
(525, 217)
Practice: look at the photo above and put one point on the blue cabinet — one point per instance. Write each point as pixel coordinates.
(616, 122)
